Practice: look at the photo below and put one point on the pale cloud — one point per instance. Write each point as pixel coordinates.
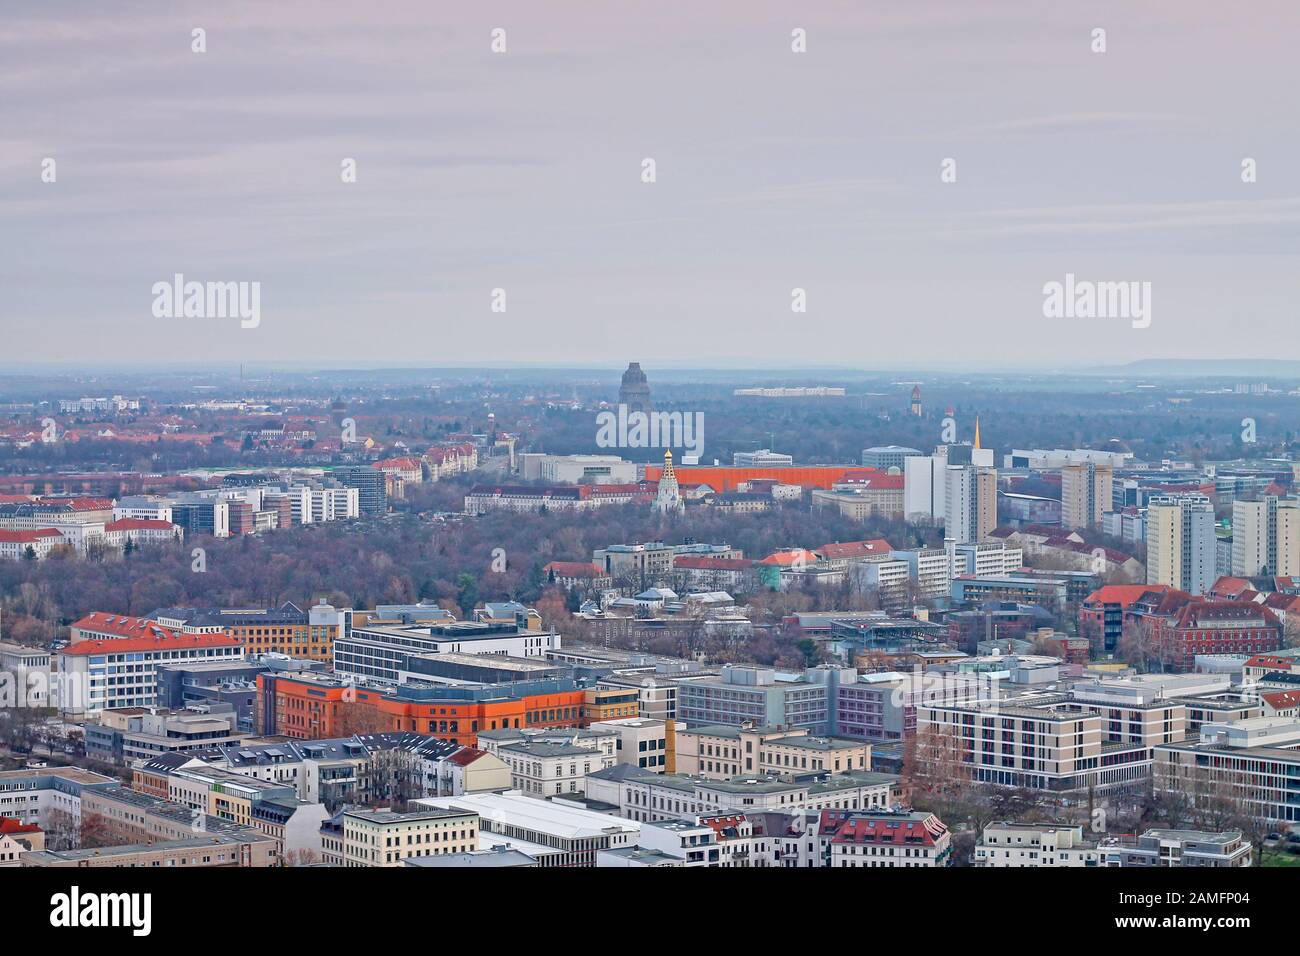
(819, 170)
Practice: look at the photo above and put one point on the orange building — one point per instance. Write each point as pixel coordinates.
(722, 478)
(313, 706)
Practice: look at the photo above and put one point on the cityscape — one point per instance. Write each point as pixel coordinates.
(729, 437)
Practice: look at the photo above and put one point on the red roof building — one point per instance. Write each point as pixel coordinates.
(99, 625)
(1214, 627)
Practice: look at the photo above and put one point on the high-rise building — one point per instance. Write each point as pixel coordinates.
(1181, 542)
(1085, 494)
(634, 392)
(916, 400)
(370, 484)
(970, 502)
(1266, 537)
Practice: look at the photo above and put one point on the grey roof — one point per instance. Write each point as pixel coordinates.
(499, 857)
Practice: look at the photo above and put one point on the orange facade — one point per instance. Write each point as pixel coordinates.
(722, 478)
(307, 710)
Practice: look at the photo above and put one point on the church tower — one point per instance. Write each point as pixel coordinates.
(669, 497)
(916, 400)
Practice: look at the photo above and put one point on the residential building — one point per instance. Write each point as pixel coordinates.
(1181, 542)
(385, 838)
(886, 839)
(1085, 494)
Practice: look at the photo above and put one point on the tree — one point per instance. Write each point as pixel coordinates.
(467, 592)
(355, 719)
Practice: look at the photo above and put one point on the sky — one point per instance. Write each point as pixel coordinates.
(523, 171)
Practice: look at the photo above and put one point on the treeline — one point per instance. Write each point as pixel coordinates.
(398, 559)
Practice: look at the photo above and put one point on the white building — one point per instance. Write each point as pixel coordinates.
(577, 834)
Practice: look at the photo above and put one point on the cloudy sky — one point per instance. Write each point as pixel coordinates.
(774, 170)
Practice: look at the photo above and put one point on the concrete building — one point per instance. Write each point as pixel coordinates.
(1266, 537)
(123, 672)
(970, 502)
(1181, 542)
(752, 694)
(1252, 764)
(1034, 844)
(885, 457)
(578, 469)
(644, 742)
(1085, 494)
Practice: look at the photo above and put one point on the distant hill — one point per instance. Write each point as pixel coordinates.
(1254, 369)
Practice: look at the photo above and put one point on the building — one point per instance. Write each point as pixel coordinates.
(651, 798)
(541, 769)
(1266, 537)
(578, 469)
(1181, 542)
(879, 494)
(644, 742)
(722, 752)
(886, 839)
(1005, 844)
(135, 733)
(45, 797)
(386, 838)
(885, 457)
(1211, 627)
(123, 672)
(1189, 848)
(882, 707)
(1085, 494)
(287, 630)
(970, 502)
(1098, 737)
(37, 543)
(18, 838)
(1248, 765)
(1105, 613)
(752, 694)
(761, 458)
(439, 651)
(573, 835)
(306, 706)
(217, 849)
(581, 576)
(371, 485)
(484, 498)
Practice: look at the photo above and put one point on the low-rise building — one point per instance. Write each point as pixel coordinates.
(385, 838)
